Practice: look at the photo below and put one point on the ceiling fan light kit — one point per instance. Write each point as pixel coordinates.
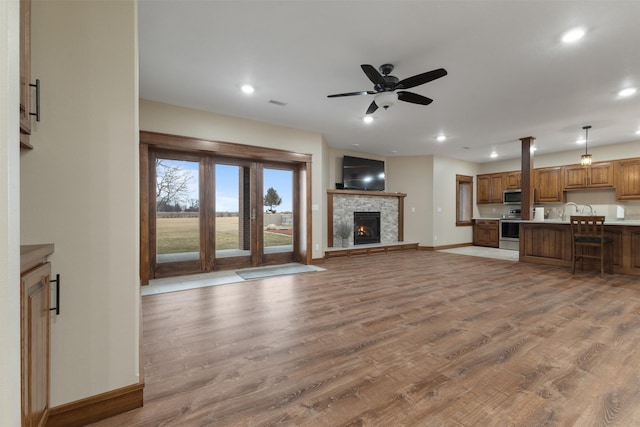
(385, 99)
(386, 87)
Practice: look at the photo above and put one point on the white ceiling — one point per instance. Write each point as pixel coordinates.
(509, 75)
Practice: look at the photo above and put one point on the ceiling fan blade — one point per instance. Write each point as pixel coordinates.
(414, 98)
(372, 108)
(364, 92)
(373, 74)
(421, 78)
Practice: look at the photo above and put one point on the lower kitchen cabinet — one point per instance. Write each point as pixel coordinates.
(486, 232)
(35, 333)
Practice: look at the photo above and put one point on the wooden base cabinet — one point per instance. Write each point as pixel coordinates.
(486, 232)
(35, 333)
(550, 243)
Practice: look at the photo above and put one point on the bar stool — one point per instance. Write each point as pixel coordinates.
(587, 232)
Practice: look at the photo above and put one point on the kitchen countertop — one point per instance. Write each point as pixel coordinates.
(629, 222)
(558, 221)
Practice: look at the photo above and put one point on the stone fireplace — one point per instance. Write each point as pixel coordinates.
(342, 205)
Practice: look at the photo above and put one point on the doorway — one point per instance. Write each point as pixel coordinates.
(206, 211)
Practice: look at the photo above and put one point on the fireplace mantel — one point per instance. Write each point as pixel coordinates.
(366, 193)
(359, 193)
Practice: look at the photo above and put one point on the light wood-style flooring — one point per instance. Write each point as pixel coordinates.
(399, 339)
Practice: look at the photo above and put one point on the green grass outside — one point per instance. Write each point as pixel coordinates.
(178, 235)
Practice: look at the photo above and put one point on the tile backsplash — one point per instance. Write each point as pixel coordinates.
(603, 202)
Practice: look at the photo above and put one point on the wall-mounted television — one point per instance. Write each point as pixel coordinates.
(362, 174)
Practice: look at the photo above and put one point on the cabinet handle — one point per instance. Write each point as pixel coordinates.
(57, 307)
(37, 113)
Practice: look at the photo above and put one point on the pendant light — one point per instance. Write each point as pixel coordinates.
(585, 160)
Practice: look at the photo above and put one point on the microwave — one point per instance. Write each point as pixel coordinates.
(512, 197)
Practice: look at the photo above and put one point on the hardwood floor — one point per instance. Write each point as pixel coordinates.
(399, 339)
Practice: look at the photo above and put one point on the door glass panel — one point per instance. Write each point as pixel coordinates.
(177, 211)
(278, 210)
(233, 211)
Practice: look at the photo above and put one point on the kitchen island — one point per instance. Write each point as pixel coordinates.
(549, 242)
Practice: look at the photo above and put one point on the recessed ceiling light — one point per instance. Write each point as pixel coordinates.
(573, 35)
(441, 138)
(394, 151)
(248, 89)
(627, 92)
(580, 141)
(494, 155)
(356, 145)
(638, 132)
(367, 119)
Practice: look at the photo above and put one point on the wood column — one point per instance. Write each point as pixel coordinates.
(527, 177)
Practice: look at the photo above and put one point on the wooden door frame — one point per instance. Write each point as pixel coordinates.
(152, 141)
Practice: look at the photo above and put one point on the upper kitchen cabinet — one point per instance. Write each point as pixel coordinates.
(597, 175)
(627, 179)
(548, 185)
(512, 180)
(25, 73)
(490, 188)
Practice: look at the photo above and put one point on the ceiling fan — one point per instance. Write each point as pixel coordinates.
(385, 87)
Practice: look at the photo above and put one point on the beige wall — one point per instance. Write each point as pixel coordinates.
(171, 119)
(600, 154)
(446, 232)
(414, 176)
(430, 205)
(9, 216)
(79, 189)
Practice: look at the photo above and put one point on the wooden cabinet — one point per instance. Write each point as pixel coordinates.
(490, 188)
(597, 175)
(627, 179)
(486, 232)
(34, 325)
(512, 180)
(492, 185)
(25, 73)
(550, 243)
(548, 185)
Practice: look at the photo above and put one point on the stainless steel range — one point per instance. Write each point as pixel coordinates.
(510, 230)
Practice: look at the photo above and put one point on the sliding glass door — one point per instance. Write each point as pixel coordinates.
(177, 219)
(235, 213)
(213, 213)
(278, 199)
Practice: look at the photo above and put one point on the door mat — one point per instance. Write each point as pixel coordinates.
(279, 270)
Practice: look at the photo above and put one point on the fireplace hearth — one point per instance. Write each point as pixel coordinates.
(366, 227)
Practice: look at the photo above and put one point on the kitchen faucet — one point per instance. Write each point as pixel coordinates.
(565, 207)
(590, 209)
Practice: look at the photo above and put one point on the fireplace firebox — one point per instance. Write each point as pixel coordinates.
(366, 227)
